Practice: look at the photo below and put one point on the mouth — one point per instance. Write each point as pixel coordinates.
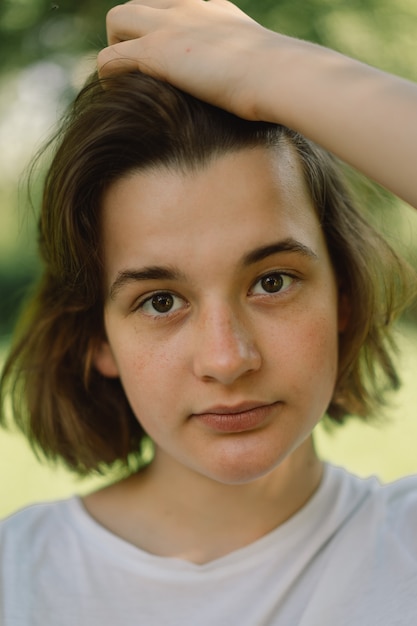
(239, 418)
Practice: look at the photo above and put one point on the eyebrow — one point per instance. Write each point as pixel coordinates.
(157, 272)
(285, 245)
(153, 272)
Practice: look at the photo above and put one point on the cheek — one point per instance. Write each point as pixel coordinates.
(149, 372)
(306, 348)
(321, 345)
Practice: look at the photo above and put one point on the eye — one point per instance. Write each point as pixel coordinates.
(161, 303)
(274, 282)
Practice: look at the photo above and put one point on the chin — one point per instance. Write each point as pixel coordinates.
(244, 471)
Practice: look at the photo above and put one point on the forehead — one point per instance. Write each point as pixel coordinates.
(236, 202)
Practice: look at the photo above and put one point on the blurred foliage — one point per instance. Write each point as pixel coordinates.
(31, 30)
(379, 32)
(43, 41)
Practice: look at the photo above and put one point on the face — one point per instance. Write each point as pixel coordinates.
(221, 311)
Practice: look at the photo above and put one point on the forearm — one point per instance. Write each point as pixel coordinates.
(217, 53)
(365, 116)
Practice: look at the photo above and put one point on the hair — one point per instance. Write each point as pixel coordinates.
(66, 408)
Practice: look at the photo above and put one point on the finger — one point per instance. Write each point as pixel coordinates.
(168, 4)
(138, 17)
(129, 21)
(126, 56)
(156, 4)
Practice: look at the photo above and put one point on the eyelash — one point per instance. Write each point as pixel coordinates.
(140, 306)
(148, 300)
(282, 275)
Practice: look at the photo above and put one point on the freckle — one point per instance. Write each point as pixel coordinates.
(188, 49)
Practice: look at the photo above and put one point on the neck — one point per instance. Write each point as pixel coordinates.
(194, 518)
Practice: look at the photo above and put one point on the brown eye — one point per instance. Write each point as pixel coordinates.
(162, 302)
(272, 283)
(275, 282)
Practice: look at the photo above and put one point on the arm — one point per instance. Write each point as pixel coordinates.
(213, 50)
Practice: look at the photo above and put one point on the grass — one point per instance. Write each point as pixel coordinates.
(387, 451)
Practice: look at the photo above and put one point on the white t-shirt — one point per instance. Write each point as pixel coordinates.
(348, 558)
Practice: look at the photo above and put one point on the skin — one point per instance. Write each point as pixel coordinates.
(217, 53)
(229, 338)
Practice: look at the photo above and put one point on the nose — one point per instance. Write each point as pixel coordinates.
(224, 348)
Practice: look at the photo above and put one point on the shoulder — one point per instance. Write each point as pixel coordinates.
(35, 513)
(30, 528)
(368, 559)
(32, 513)
(397, 502)
(384, 514)
(400, 504)
(400, 495)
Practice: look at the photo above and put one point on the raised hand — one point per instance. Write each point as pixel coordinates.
(209, 49)
(214, 51)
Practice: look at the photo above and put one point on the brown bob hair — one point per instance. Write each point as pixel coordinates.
(66, 408)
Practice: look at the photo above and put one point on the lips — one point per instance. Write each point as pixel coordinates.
(239, 418)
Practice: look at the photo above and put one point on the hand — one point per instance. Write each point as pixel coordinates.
(218, 54)
(209, 49)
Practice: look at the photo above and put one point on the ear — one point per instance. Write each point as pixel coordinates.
(344, 311)
(104, 361)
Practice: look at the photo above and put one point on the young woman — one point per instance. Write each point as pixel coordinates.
(209, 284)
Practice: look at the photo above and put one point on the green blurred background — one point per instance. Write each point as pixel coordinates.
(46, 51)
